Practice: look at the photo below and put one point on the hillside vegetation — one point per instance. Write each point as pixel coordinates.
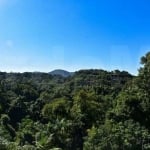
(89, 110)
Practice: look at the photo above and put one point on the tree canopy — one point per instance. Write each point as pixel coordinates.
(90, 110)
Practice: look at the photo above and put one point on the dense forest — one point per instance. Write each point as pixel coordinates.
(89, 110)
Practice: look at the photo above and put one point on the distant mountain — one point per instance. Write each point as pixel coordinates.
(60, 72)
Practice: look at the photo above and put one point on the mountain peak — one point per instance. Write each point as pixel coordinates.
(61, 72)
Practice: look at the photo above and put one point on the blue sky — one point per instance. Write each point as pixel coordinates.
(42, 35)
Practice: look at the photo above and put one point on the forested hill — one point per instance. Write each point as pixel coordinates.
(90, 110)
(61, 72)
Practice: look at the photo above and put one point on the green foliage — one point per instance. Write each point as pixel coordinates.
(124, 135)
(90, 110)
(56, 109)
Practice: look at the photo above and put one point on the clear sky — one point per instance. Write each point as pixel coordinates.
(42, 35)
